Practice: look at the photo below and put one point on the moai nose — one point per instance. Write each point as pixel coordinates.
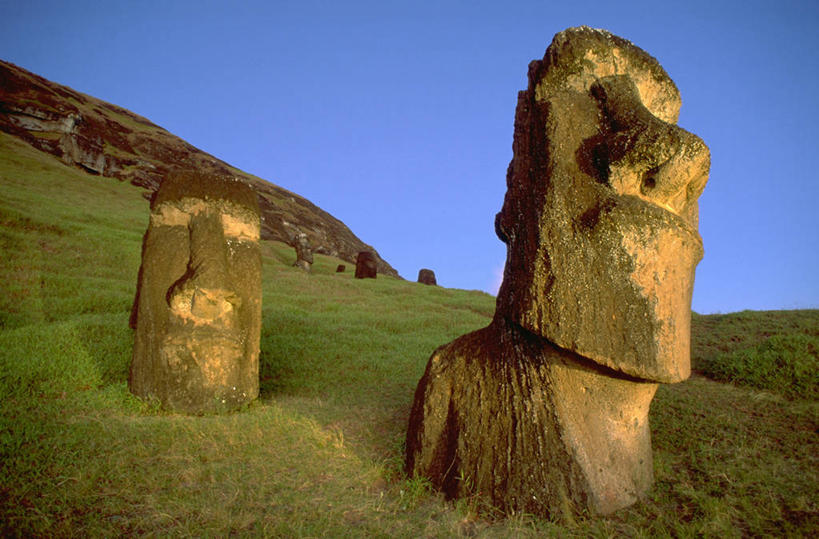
(647, 157)
(203, 294)
(678, 182)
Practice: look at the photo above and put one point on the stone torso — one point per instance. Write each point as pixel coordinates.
(547, 420)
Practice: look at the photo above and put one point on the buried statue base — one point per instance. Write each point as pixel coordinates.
(546, 410)
(530, 427)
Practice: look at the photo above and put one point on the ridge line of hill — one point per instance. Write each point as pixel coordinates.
(108, 140)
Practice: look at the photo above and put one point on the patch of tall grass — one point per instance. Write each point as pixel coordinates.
(769, 350)
(785, 364)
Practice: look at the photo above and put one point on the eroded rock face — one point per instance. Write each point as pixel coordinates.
(546, 410)
(427, 276)
(304, 254)
(197, 313)
(366, 266)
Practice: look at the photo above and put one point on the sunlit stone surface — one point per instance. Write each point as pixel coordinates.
(546, 410)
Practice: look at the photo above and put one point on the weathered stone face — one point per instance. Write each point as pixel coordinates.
(366, 267)
(546, 409)
(600, 216)
(427, 276)
(197, 313)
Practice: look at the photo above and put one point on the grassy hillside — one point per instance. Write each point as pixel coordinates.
(773, 350)
(320, 453)
(98, 136)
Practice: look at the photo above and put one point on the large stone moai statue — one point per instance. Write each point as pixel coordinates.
(546, 409)
(197, 312)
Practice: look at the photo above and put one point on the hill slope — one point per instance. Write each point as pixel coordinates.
(101, 138)
(320, 453)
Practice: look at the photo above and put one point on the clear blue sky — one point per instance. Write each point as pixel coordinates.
(397, 117)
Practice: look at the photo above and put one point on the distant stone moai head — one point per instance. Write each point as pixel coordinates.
(600, 216)
(197, 313)
(366, 267)
(304, 253)
(427, 276)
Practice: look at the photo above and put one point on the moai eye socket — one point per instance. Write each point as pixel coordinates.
(649, 181)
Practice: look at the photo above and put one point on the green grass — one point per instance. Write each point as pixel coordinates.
(776, 351)
(320, 453)
(785, 364)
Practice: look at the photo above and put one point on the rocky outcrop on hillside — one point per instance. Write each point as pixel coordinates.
(108, 140)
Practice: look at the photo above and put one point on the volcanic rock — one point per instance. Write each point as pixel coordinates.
(197, 313)
(546, 410)
(341, 268)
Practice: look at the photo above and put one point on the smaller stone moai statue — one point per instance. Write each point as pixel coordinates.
(545, 410)
(341, 268)
(304, 254)
(366, 266)
(427, 276)
(197, 311)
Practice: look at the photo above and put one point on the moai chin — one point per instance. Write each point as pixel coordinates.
(197, 312)
(546, 409)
